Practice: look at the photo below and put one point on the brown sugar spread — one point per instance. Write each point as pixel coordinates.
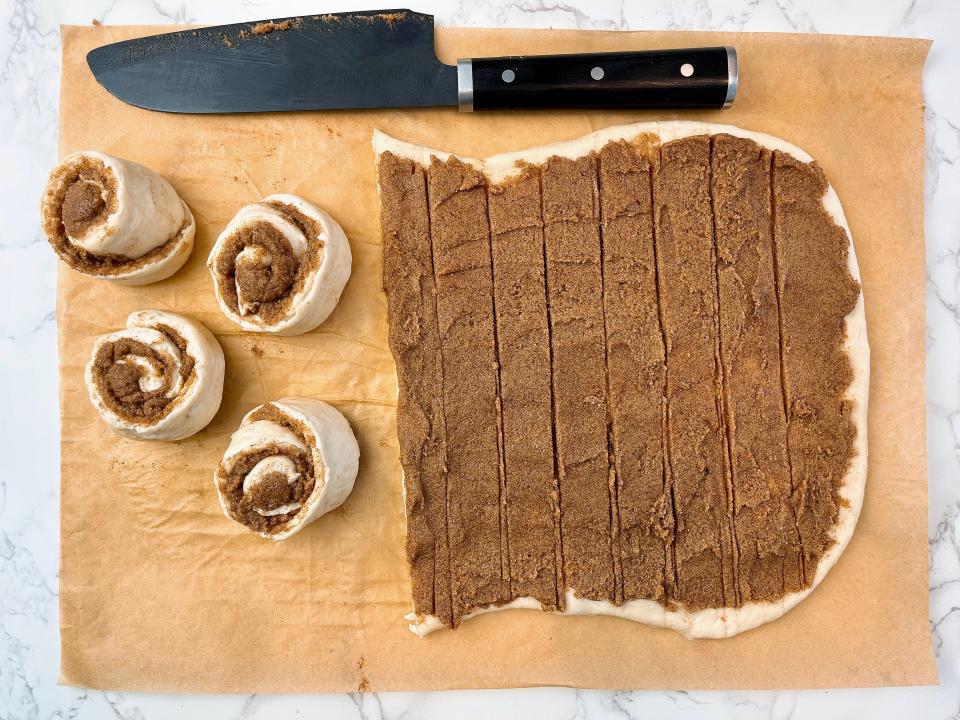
(636, 369)
(267, 290)
(812, 263)
(410, 287)
(701, 555)
(769, 559)
(523, 335)
(273, 490)
(621, 375)
(479, 565)
(118, 381)
(81, 197)
(83, 207)
(574, 294)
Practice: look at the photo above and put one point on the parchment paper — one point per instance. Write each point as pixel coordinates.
(160, 592)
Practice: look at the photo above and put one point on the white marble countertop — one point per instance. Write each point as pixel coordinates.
(29, 77)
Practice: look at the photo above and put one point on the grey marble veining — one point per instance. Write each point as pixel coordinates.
(29, 76)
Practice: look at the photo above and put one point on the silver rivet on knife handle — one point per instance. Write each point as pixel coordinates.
(465, 85)
(733, 75)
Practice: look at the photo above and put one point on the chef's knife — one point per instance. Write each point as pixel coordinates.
(386, 59)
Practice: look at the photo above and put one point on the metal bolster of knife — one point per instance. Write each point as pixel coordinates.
(465, 84)
(733, 75)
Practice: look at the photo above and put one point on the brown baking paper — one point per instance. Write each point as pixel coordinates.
(159, 591)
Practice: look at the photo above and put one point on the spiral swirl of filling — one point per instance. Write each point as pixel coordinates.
(112, 218)
(160, 378)
(268, 472)
(280, 266)
(266, 259)
(289, 462)
(142, 372)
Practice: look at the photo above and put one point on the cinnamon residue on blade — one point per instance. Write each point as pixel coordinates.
(389, 19)
(268, 27)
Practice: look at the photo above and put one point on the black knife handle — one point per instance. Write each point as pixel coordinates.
(692, 78)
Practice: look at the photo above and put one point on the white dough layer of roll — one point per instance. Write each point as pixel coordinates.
(324, 262)
(191, 400)
(145, 233)
(305, 426)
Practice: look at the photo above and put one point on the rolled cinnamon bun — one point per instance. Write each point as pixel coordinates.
(280, 266)
(116, 219)
(289, 462)
(160, 378)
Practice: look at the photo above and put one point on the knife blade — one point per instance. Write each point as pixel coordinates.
(386, 59)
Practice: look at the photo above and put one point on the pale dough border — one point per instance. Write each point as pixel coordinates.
(711, 622)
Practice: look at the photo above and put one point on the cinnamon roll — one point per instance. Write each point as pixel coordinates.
(280, 266)
(115, 219)
(289, 462)
(160, 378)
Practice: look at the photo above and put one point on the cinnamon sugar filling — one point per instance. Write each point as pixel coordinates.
(83, 206)
(622, 375)
(272, 275)
(118, 380)
(81, 198)
(274, 490)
